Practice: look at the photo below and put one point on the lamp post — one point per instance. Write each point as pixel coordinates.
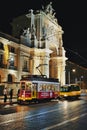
(69, 76)
(81, 81)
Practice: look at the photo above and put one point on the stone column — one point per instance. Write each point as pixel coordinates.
(46, 67)
(20, 64)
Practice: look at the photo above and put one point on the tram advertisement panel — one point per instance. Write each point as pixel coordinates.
(46, 94)
(47, 90)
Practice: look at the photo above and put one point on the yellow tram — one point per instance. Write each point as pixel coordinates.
(70, 90)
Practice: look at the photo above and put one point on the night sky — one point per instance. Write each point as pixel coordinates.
(71, 15)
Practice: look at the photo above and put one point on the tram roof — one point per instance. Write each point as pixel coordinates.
(38, 78)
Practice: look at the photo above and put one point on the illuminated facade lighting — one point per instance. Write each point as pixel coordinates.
(39, 43)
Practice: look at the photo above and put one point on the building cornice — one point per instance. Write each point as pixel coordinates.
(8, 37)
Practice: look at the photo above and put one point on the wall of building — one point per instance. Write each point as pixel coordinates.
(36, 42)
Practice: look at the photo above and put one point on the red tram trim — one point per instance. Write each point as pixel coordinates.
(25, 95)
(44, 95)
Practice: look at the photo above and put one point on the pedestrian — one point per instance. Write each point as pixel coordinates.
(11, 95)
(5, 94)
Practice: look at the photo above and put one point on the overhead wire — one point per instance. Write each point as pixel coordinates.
(77, 54)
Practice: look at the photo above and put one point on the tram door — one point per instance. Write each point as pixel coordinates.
(34, 90)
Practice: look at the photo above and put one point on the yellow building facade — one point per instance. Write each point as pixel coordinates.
(35, 47)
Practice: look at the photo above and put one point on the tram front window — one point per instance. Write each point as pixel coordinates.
(22, 86)
(28, 86)
(65, 89)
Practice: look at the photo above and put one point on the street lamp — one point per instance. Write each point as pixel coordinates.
(74, 70)
(81, 81)
(69, 76)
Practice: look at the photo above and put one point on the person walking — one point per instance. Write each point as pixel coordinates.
(11, 95)
(5, 94)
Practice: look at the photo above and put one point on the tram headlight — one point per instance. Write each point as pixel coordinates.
(65, 95)
(23, 95)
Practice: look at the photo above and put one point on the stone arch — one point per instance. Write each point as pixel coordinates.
(11, 78)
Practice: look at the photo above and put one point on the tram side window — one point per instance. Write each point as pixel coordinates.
(70, 88)
(34, 86)
(77, 88)
(56, 88)
(45, 87)
(48, 87)
(60, 89)
(42, 87)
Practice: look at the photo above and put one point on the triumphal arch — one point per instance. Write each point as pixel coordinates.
(41, 33)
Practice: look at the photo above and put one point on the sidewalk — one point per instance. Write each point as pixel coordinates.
(14, 100)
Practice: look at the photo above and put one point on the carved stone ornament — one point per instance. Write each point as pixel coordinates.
(49, 9)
